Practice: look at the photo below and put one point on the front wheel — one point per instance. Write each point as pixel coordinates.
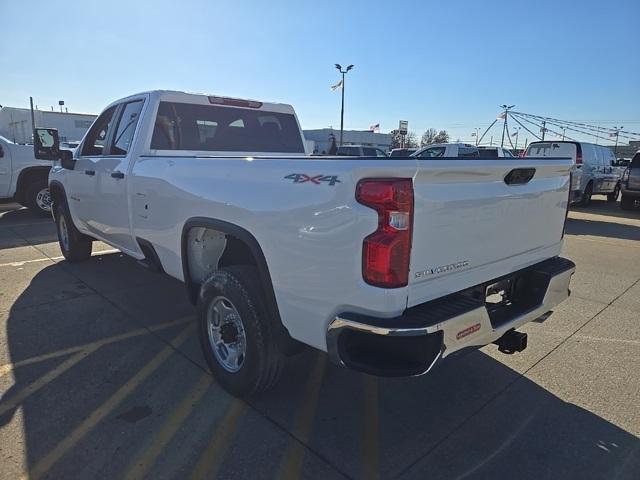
(74, 245)
(237, 335)
(613, 196)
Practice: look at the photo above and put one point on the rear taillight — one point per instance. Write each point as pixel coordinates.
(566, 213)
(386, 252)
(579, 158)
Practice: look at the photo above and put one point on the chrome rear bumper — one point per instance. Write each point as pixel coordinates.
(412, 343)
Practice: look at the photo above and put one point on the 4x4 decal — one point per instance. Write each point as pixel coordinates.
(316, 179)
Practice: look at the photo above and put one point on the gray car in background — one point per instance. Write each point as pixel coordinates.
(594, 172)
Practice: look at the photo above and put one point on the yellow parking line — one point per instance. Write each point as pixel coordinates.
(146, 460)
(33, 387)
(8, 367)
(291, 465)
(213, 454)
(44, 464)
(371, 431)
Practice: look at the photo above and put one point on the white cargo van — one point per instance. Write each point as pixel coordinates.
(594, 172)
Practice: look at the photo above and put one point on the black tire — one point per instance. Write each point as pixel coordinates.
(626, 203)
(76, 247)
(262, 361)
(613, 196)
(37, 197)
(586, 195)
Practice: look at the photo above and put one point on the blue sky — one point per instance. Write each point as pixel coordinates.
(442, 64)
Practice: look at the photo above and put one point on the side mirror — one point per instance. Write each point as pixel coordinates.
(66, 159)
(46, 144)
(614, 163)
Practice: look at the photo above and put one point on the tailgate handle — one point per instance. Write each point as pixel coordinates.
(519, 176)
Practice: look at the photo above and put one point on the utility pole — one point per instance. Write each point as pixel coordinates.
(564, 130)
(617, 129)
(477, 129)
(343, 72)
(504, 125)
(544, 129)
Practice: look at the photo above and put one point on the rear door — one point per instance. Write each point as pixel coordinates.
(110, 215)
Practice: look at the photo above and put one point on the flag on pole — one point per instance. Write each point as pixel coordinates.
(514, 134)
(502, 116)
(613, 135)
(374, 128)
(337, 86)
(474, 134)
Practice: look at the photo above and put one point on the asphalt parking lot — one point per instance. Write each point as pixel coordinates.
(101, 376)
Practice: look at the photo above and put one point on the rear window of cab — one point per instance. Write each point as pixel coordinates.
(186, 126)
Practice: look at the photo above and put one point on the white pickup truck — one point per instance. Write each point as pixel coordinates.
(389, 265)
(23, 178)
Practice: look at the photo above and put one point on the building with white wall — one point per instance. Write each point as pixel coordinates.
(15, 123)
(322, 138)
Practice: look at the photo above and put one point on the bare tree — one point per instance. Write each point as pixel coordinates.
(441, 137)
(410, 140)
(428, 137)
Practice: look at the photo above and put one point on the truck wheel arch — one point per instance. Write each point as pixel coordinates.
(58, 195)
(28, 175)
(240, 247)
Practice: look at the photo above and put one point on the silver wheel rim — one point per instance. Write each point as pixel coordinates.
(64, 232)
(226, 334)
(43, 200)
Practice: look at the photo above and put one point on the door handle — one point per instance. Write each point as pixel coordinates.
(90, 172)
(117, 175)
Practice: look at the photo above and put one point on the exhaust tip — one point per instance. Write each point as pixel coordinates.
(512, 342)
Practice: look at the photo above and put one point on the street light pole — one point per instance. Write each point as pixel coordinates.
(343, 72)
(477, 129)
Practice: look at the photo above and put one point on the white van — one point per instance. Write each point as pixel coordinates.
(594, 172)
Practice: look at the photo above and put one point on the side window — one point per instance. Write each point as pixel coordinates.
(433, 152)
(126, 127)
(369, 151)
(469, 152)
(381, 153)
(97, 136)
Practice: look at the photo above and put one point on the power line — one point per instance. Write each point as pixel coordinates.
(580, 124)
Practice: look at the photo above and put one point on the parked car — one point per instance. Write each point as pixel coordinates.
(389, 265)
(594, 172)
(494, 152)
(631, 184)
(361, 151)
(402, 152)
(23, 178)
(448, 150)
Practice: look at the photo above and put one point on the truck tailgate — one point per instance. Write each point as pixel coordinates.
(470, 226)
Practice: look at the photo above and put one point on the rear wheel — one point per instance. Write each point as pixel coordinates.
(74, 245)
(236, 332)
(38, 199)
(613, 196)
(586, 195)
(626, 203)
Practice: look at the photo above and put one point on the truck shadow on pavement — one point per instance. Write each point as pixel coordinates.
(102, 376)
(580, 226)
